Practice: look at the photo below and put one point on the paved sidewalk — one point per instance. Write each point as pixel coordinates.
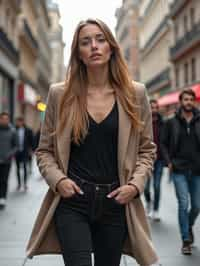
(17, 220)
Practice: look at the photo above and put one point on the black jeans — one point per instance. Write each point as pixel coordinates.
(21, 161)
(4, 173)
(91, 223)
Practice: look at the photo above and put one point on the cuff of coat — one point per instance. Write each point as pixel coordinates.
(137, 189)
(63, 178)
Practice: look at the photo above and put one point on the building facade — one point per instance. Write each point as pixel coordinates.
(44, 53)
(127, 34)
(9, 55)
(56, 43)
(155, 41)
(28, 46)
(185, 51)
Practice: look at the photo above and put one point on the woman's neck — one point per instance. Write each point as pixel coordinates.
(98, 79)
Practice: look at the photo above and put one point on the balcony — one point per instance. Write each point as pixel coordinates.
(177, 6)
(8, 47)
(156, 34)
(187, 42)
(29, 35)
(159, 80)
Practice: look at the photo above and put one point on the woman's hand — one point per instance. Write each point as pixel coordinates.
(67, 188)
(123, 194)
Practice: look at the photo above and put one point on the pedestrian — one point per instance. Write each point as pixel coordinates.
(95, 153)
(157, 121)
(181, 145)
(22, 156)
(8, 147)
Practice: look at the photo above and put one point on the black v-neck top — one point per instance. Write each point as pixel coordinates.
(95, 159)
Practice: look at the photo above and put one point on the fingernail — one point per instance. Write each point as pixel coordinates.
(109, 196)
(81, 192)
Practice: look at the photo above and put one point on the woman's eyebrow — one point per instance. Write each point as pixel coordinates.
(88, 36)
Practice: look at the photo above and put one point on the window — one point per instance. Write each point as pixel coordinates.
(185, 24)
(193, 69)
(176, 31)
(192, 17)
(177, 76)
(186, 73)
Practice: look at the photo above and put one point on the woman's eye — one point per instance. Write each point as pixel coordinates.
(85, 43)
(101, 39)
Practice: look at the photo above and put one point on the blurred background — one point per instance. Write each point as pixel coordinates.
(159, 39)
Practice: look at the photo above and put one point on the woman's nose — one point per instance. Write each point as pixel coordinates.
(93, 44)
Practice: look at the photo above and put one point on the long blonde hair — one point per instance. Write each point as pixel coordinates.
(73, 102)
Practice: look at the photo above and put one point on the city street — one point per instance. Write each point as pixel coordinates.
(17, 219)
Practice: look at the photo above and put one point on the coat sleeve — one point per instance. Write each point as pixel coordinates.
(147, 149)
(45, 152)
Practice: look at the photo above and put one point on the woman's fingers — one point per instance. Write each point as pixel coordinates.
(114, 193)
(77, 188)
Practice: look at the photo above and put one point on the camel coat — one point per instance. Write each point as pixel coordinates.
(136, 153)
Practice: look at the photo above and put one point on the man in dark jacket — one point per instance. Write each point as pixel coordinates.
(158, 165)
(181, 149)
(25, 139)
(8, 147)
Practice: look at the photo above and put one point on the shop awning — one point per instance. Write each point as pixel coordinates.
(173, 97)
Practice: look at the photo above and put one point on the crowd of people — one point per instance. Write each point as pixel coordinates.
(178, 148)
(17, 142)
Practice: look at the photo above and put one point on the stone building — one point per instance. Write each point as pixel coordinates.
(28, 46)
(185, 51)
(127, 34)
(155, 42)
(56, 43)
(44, 53)
(9, 55)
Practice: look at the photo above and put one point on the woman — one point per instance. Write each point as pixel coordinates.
(95, 153)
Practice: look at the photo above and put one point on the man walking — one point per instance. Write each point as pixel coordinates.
(8, 147)
(181, 147)
(158, 165)
(25, 138)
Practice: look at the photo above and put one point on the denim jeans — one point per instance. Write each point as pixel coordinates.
(187, 188)
(157, 174)
(91, 223)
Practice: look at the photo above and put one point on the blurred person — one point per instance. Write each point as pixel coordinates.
(95, 153)
(157, 121)
(8, 147)
(36, 139)
(30, 155)
(181, 146)
(25, 139)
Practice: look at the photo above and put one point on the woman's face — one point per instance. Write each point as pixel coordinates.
(94, 49)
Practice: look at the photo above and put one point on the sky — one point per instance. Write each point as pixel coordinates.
(72, 11)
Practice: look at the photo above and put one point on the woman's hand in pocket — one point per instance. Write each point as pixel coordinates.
(67, 188)
(123, 194)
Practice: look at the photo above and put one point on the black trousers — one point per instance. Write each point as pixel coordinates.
(21, 162)
(91, 223)
(4, 173)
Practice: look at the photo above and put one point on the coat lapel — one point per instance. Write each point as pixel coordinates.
(64, 140)
(123, 136)
(63, 144)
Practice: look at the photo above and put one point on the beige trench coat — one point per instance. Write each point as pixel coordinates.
(136, 153)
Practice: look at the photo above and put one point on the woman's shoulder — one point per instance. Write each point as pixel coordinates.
(139, 87)
(140, 90)
(57, 88)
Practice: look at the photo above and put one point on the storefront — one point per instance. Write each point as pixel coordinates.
(169, 102)
(6, 94)
(27, 101)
